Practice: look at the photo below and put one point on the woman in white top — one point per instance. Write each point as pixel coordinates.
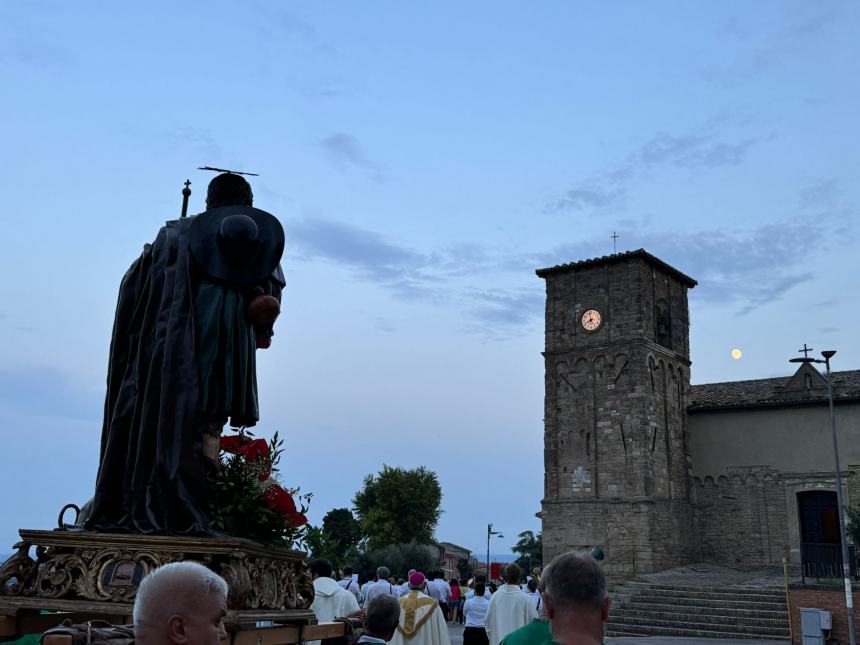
(475, 610)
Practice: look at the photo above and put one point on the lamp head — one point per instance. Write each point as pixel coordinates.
(828, 354)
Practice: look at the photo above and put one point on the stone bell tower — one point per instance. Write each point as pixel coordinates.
(617, 382)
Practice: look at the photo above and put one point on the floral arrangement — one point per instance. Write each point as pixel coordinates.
(247, 500)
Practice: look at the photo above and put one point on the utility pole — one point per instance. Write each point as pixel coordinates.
(846, 565)
(490, 532)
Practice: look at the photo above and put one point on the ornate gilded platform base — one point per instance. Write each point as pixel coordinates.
(266, 583)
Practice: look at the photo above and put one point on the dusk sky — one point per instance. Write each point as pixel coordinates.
(424, 159)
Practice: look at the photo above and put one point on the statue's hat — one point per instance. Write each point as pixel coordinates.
(238, 244)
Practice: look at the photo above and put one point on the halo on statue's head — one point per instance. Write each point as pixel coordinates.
(237, 244)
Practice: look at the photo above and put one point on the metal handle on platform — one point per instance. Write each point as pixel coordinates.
(62, 526)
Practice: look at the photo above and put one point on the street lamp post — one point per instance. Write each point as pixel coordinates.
(490, 533)
(846, 566)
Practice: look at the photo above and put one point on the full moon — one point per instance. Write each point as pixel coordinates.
(736, 354)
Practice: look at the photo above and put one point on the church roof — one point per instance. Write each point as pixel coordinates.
(620, 257)
(775, 392)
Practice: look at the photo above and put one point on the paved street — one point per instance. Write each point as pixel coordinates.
(456, 632)
(654, 640)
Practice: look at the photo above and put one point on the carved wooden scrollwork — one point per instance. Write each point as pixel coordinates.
(18, 572)
(235, 572)
(107, 568)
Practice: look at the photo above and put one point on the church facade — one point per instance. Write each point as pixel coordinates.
(660, 473)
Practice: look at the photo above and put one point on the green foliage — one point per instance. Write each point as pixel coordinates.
(399, 506)
(399, 558)
(342, 530)
(853, 525)
(320, 544)
(238, 506)
(530, 549)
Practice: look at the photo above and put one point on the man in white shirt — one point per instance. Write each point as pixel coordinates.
(532, 591)
(439, 590)
(479, 578)
(404, 588)
(381, 586)
(363, 592)
(348, 583)
(509, 607)
(421, 622)
(330, 600)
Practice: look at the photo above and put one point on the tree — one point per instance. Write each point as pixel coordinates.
(339, 524)
(399, 558)
(464, 567)
(398, 506)
(320, 544)
(530, 548)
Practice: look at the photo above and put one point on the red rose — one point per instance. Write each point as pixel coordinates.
(282, 502)
(255, 449)
(232, 443)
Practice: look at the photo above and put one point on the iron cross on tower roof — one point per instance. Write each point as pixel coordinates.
(805, 350)
(614, 237)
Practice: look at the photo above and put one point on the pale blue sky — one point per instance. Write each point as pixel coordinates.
(424, 159)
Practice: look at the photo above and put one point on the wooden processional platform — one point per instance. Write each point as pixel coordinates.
(83, 576)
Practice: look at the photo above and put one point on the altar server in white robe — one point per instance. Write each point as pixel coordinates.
(421, 619)
(330, 599)
(509, 607)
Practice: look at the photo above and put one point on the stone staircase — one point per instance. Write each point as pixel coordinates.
(649, 609)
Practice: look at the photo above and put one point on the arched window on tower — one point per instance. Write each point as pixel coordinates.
(663, 320)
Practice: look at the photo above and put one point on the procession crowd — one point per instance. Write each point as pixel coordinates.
(185, 603)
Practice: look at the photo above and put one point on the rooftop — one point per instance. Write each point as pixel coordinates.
(614, 258)
(772, 392)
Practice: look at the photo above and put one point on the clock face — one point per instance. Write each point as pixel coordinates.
(591, 320)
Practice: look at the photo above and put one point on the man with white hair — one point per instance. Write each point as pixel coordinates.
(381, 618)
(381, 586)
(183, 603)
(575, 599)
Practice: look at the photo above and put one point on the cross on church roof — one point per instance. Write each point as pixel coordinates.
(614, 237)
(805, 351)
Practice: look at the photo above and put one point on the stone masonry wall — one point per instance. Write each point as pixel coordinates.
(636, 537)
(615, 440)
(741, 518)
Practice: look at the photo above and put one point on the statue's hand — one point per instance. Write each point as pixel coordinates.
(263, 310)
(264, 341)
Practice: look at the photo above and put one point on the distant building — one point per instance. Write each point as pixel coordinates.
(449, 555)
(662, 473)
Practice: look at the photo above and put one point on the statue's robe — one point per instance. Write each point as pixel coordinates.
(421, 622)
(181, 354)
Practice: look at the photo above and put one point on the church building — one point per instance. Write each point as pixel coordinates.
(660, 473)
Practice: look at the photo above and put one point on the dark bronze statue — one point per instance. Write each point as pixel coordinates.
(192, 311)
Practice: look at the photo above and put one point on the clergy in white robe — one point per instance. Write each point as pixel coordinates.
(330, 599)
(509, 608)
(421, 619)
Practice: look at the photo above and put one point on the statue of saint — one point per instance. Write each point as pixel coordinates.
(192, 311)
